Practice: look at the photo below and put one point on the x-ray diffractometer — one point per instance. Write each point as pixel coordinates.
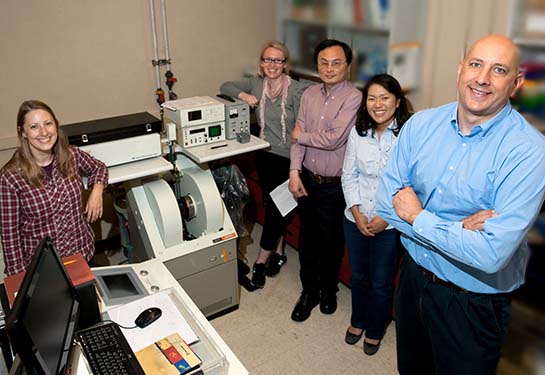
(178, 218)
(193, 237)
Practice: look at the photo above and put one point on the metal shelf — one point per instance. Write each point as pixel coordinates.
(534, 42)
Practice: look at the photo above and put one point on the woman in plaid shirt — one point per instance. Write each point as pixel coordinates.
(40, 191)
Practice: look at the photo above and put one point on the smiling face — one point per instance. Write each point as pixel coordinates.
(487, 77)
(381, 105)
(273, 63)
(40, 129)
(332, 66)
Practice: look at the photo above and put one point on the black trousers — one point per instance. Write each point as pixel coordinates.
(444, 331)
(321, 239)
(272, 171)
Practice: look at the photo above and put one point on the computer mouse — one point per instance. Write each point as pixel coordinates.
(148, 316)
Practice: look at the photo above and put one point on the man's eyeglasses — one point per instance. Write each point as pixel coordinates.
(268, 60)
(335, 64)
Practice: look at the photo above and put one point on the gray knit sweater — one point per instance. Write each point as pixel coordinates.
(273, 111)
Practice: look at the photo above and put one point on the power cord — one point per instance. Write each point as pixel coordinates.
(119, 325)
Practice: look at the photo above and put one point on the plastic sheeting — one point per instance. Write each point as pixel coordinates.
(235, 194)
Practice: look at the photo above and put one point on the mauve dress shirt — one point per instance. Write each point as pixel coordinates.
(28, 214)
(326, 119)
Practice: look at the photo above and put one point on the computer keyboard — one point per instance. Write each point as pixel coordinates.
(107, 351)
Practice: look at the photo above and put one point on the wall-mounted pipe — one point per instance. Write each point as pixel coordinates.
(157, 62)
(170, 79)
(160, 95)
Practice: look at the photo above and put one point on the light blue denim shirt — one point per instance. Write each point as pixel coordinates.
(364, 162)
(500, 165)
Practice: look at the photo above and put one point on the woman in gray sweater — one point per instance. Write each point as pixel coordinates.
(275, 96)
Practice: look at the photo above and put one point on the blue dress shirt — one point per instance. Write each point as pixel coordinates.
(365, 160)
(500, 165)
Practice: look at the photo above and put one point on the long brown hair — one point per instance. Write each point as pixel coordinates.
(23, 161)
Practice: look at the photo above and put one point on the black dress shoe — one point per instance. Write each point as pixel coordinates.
(246, 283)
(304, 307)
(258, 275)
(242, 267)
(370, 349)
(328, 303)
(351, 338)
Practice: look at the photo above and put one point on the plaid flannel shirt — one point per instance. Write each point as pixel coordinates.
(28, 214)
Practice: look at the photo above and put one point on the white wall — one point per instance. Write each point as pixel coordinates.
(91, 59)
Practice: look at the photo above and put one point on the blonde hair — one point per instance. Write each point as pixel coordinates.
(282, 48)
(23, 161)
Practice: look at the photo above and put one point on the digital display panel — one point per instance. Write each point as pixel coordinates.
(195, 131)
(194, 115)
(214, 131)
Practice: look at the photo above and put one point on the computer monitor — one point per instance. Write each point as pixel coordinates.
(43, 319)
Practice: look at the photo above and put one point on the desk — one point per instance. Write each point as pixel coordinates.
(223, 149)
(141, 168)
(200, 154)
(156, 277)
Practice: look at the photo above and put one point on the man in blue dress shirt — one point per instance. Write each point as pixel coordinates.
(464, 185)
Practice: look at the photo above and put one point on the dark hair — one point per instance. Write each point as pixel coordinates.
(402, 113)
(332, 43)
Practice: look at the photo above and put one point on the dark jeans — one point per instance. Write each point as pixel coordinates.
(321, 240)
(272, 171)
(373, 262)
(444, 331)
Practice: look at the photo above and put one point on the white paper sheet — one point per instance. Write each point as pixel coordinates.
(283, 198)
(171, 321)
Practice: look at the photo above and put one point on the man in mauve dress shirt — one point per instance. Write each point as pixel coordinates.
(327, 113)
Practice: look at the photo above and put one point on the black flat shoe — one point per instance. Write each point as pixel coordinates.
(351, 338)
(370, 349)
(275, 263)
(304, 307)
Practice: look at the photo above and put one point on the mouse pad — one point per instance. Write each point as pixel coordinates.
(171, 320)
